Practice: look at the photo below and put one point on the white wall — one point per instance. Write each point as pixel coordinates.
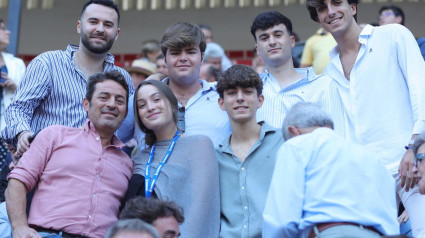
(43, 30)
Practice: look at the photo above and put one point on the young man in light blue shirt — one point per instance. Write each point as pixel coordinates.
(246, 157)
(285, 85)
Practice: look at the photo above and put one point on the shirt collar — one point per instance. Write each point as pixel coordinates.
(205, 86)
(308, 74)
(364, 35)
(90, 129)
(72, 49)
(265, 129)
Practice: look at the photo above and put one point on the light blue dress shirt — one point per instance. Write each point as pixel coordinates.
(244, 185)
(320, 177)
(5, 228)
(203, 116)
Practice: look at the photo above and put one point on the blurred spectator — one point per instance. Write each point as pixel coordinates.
(209, 73)
(208, 33)
(140, 70)
(391, 15)
(12, 72)
(151, 50)
(316, 51)
(161, 66)
(213, 55)
(421, 43)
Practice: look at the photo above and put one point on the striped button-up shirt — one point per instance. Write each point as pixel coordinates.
(311, 88)
(51, 93)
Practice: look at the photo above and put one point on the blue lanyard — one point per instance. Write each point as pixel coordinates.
(150, 182)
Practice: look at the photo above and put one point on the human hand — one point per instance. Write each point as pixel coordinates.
(408, 170)
(23, 143)
(7, 82)
(403, 217)
(25, 231)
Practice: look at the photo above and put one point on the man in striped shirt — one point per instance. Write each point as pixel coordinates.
(284, 85)
(55, 82)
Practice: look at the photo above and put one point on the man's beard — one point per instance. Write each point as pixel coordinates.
(96, 49)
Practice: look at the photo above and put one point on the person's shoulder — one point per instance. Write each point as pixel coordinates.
(51, 56)
(121, 70)
(59, 129)
(390, 29)
(196, 139)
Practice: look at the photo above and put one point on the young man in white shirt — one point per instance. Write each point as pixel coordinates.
(380, 76)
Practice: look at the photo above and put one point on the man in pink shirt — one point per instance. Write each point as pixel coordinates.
(80, 174)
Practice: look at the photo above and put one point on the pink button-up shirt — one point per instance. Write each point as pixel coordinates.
(80, 186)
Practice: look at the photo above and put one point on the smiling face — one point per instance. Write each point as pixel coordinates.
(98, 28)
(184, 64)
(274, 45)
(108, 106)
(336, 16)
(241, 104)
(154, 109)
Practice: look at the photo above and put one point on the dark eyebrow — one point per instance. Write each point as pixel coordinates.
(97, 19)
(263, 34)
(152, 95)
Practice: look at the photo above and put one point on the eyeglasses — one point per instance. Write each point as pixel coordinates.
(387, 14)
(180, 119)
(419, 158)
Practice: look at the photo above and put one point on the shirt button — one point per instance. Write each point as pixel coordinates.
(245, 207)
(97, 138)
(94, 195)
(242, 168)
(243, 187)
(90, 216)
(97, 176)
(245, 226)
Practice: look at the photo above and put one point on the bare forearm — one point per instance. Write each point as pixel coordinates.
(16, 203)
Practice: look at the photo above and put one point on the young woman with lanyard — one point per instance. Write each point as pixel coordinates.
(175, 167)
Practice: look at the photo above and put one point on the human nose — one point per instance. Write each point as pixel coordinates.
(239, 95)
(111, 103)
(272, 40)
(331, 9)
(150, 106)
(100, 27)
(183, 57)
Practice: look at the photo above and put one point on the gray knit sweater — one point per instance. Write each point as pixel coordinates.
(190, 178)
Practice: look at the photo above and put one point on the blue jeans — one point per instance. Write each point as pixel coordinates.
(405, 228)
(49, 235)
(5, 228)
